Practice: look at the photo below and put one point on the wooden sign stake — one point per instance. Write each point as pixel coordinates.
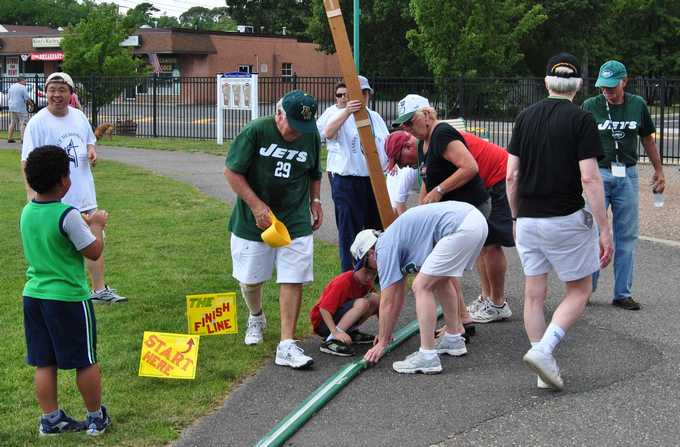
(361, 117)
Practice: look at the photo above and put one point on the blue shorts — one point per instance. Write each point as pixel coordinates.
(60, 333)
(322, 330)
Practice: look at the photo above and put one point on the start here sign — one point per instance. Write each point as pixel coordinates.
(212, 314)
(169, 356)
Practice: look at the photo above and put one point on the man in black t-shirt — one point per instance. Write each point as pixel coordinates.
(552, 159)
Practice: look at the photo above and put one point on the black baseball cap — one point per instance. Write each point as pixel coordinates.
(565, 60)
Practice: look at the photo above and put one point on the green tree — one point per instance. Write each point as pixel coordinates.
(200, 18)
(53, 13)
(383, 46)
(473, 37)
(644, 35)
(92, 52)
(271, 16)
(165, 21)
(141, 15)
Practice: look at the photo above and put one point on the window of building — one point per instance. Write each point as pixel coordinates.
(245, 68)
(286, 69)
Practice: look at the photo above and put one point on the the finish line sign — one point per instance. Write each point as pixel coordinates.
(212, 314)
(169, 356)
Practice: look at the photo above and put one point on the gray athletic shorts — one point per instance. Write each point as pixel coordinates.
(18, 118)
(568, 244)
(457, 252)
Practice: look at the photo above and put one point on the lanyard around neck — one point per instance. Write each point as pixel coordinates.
(611, 129)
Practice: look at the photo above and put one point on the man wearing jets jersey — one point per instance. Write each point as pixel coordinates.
(273, 167)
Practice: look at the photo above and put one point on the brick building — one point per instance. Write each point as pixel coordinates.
(173, 54)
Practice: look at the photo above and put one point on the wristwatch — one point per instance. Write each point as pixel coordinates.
(439, 189)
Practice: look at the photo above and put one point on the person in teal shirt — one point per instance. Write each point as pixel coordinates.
(621, 119)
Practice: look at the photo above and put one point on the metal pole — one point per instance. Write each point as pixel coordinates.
(322, 395)
(357, 18)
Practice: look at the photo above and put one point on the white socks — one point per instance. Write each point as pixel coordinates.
(428, 353)
(551, 338)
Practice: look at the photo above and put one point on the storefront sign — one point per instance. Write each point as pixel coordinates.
(46, 42)
(169, 356)
(51, 56)
(13, 66)
(131, 41)
(212, 314)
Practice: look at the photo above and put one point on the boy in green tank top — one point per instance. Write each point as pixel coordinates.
(59, 319)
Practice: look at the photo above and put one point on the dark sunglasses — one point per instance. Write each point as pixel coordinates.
(340, 95)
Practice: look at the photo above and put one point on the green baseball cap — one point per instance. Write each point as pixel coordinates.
(300, 111)
(611, 72)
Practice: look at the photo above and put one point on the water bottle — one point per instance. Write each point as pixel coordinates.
(658, 199)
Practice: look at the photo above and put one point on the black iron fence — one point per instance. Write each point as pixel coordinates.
(184, 107)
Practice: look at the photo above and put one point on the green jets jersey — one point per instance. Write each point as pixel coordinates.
(628, 121)
(279, 172)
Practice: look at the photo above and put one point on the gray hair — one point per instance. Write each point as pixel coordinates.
(279, 108)
(562, 85)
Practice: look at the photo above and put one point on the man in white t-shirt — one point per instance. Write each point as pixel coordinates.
(66, 127)
(355, 204)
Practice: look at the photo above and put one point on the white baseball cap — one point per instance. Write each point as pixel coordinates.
(62, 77)
(409, 105)
(363, 242)
(363, 83)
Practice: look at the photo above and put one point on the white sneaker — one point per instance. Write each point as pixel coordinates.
(541, 384)
(292, 355)
(417, 363)
(489, 312)
(476, 304)
(545, 366)
(256, 325)
(451, 345)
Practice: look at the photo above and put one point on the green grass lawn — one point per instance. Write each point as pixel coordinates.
(164, 240)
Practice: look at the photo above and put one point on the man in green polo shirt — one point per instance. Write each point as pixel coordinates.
(621, 118)
(273, 167)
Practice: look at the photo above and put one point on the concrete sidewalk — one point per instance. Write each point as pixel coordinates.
(620, 368)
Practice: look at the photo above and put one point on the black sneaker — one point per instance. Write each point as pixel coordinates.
(64, 424)
(361, 338)
(336, 347)
(627, 303)
(96, 426)
(11, 141)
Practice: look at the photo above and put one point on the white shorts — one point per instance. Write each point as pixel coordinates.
(253, 261)
(457, 252)
(567, 243)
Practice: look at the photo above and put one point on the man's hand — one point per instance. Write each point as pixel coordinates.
(317, 215)
(606, 248)
(92, 155)
(375, 353)
(354, 106)
(262, 217)
(658, 182)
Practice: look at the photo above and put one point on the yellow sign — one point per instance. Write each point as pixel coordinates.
(169, 356)
(212, 314)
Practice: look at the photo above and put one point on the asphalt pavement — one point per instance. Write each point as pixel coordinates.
(621, 368)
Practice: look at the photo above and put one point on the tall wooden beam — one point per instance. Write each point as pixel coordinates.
(361, 117)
